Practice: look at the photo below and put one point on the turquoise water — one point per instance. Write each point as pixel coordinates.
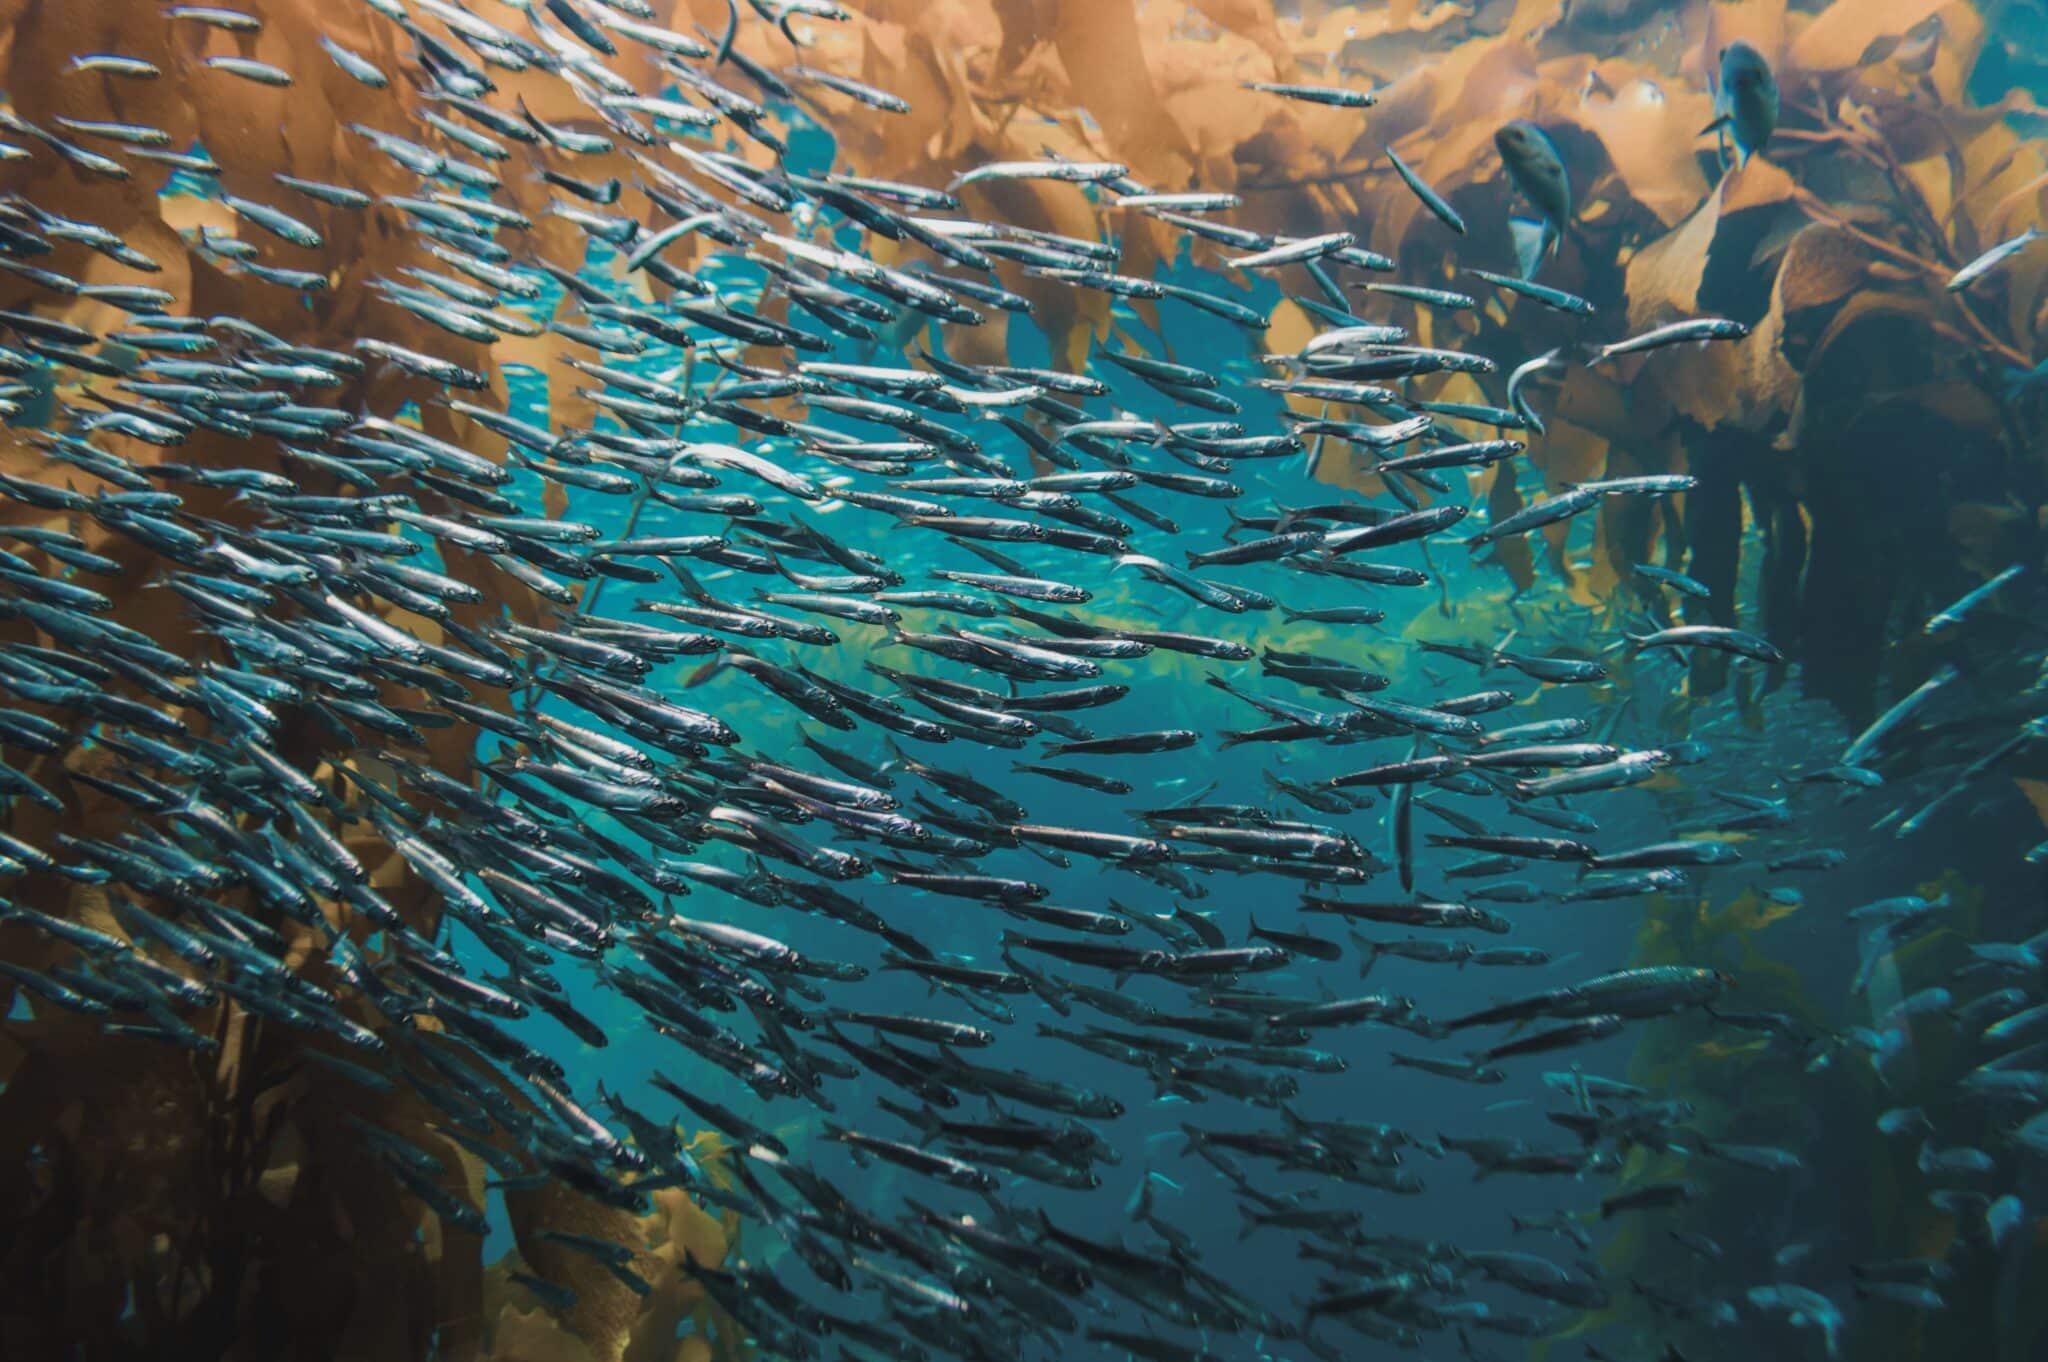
(1708, 1023)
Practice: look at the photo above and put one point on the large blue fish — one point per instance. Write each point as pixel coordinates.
(1537, 170)
(1745, 102)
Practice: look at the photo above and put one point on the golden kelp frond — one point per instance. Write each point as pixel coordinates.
(169, 1185)
(155, 1182)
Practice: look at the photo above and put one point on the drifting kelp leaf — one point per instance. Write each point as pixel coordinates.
(533, 1335)
(981, 77)
(1569, 454)
(1769, 385)
(943, 119)
(1098, 44)
(1667, 278)
(1664, 277)
(1201, 87)
(1609, 561)
(1256, 24)
(1822, 266)
(1752, 912)
(1870, 326)
(606, 1309)
(2036, 792)
(1988, 535)
(1840, 36)
(1765, 25)
(1386, 41)
(1648, 131)
(544, 355)
(1515, 556)
(1071, 318)
(1702, 386)
(609, 1322)
(1598, 399)
(1478, 87)
(191, 214)
(1019, 23)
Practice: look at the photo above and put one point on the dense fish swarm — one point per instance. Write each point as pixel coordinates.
(839, 716)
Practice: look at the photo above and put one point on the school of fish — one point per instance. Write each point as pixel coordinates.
(614, 832)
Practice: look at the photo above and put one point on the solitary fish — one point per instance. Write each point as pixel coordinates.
(1332, 95)
(1745, 102)
(1992, 259)
(1537, 169)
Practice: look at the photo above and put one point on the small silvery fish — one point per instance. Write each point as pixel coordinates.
(1955, 614)
(1992, 259)
(1431, 200)
(1677, 333)
(1070, 172)
(262, 73)
(113, 64)
(1333, 95)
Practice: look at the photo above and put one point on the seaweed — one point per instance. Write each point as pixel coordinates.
(223, 1205)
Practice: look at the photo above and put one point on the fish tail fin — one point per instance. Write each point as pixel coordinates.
(929, 1125)
(1531, 239)
(704, 673)
(1575, 352)
(692, 588)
